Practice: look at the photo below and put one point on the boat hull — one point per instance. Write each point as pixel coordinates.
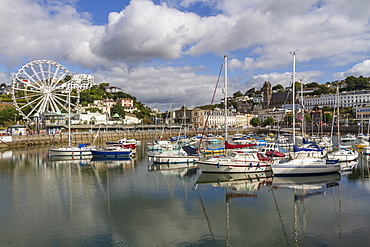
(158, 159)
(69, 152)
(344, 158)
(233, 167)
(103, 153)
(305, 167)
(366, 150)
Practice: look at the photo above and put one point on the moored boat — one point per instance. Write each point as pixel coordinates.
(175, 156)
(112, 151)
(348, 138)
(305, 166)
(238, 161)
(344, 155)
(242, 160)
(219, 150)
(80, 150)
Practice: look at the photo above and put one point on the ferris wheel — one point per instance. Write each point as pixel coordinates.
(43, 86)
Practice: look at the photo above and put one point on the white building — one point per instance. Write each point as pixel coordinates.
(82, 81)
(240, 120)
(89, 118)
(346, 99)
(131, 119)
(217, 119)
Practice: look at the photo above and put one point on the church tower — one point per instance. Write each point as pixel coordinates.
(267, 94)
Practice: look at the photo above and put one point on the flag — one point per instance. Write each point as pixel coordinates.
(300, 118)
(322, 123)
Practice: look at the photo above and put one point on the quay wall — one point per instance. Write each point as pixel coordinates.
(93, 138)
(100, 139)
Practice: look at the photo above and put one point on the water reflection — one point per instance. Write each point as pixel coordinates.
(271, 199)
(236, 181)
(179, 170)
(121, 202)
(304, 188)
(65, 160)
(307, 182)
(126, 163)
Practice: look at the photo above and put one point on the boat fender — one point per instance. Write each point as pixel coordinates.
(251, 164)
(258, 165)
(218, 165)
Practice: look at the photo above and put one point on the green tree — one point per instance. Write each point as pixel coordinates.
(307, 118)
(322, 89)
(278, 87)
(327, 108)
(8, 115)
(237, 94)
(250, 92)
(327, 117)
(6, 98)
(143, 112)
(94, 93)
(312, 84)
(288, 119)
(117, 108)
(255, 122)
(268, 121)
(104, 86)
(354, 83)
(94, 109)
(122, 95)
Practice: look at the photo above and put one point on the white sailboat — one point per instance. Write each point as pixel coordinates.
(175, 156)
(240, 160)
(80, 150)
(305, 165)
(343, 154)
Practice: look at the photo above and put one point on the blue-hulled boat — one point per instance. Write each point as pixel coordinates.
(112, 151)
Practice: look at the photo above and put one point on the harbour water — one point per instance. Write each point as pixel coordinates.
(131, 203)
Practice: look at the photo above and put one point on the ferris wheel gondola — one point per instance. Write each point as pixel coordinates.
(43, 86)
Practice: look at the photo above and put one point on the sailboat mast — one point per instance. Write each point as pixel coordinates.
(225, 93)
(293, 81)
(69, 118)
(302, 103)
(338, 116)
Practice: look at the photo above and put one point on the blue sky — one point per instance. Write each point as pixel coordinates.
(170, 51)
